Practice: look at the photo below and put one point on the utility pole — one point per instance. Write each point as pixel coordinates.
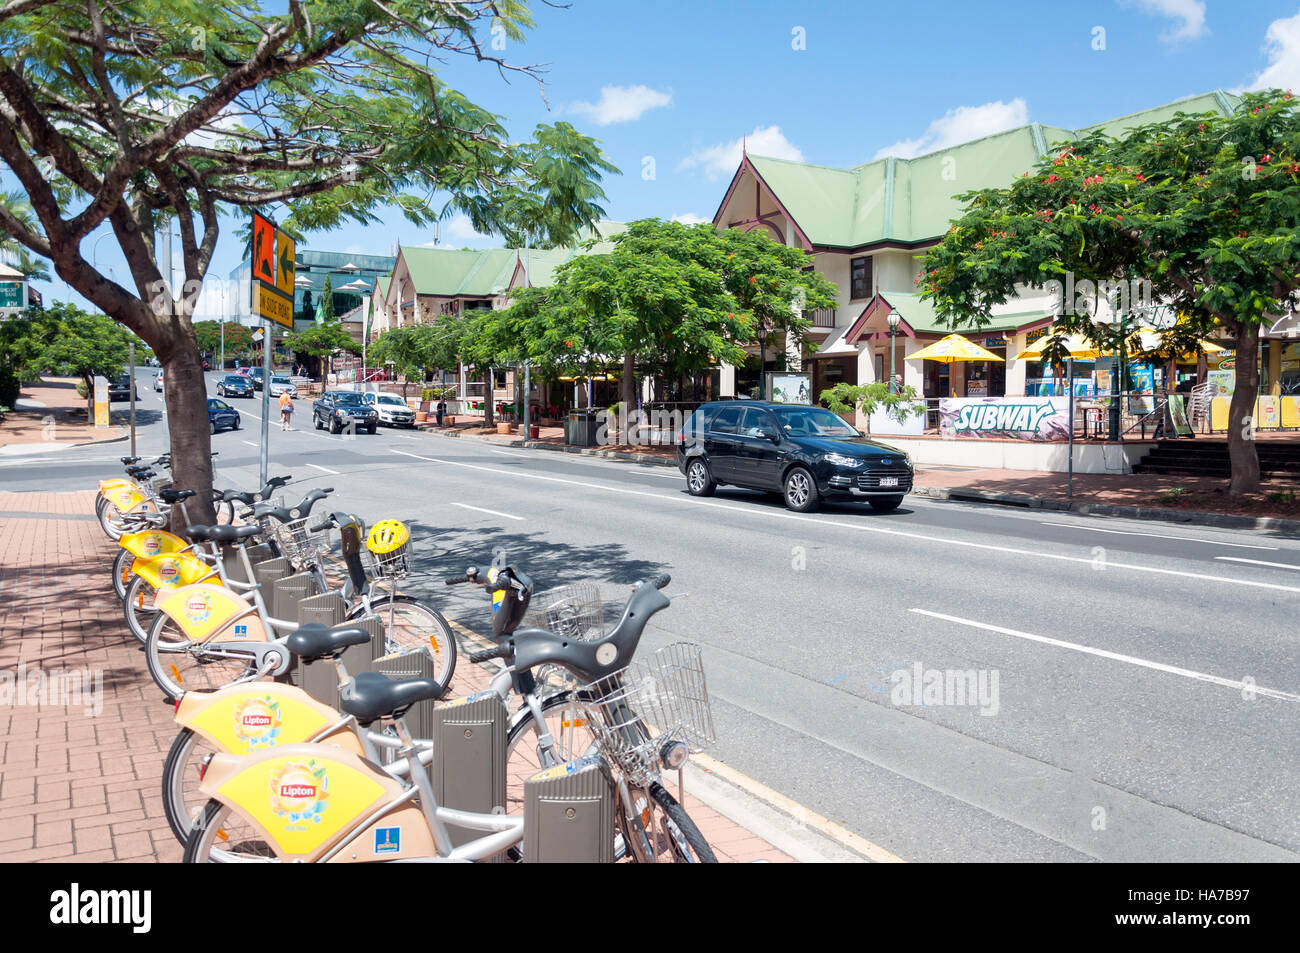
(131, 359)
(266, 399)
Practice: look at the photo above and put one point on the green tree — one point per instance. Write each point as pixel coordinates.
(325, 309)
(1205, 208)
(127, 116)
(403, 347)
(208, 336)
(80, 344)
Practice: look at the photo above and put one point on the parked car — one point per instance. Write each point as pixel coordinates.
(158, 381)
(234, 385)
(807, 454)
(221, 416)
(282, 385)
(254, 374)
(121, 388)
(336, 409)
(392, 410)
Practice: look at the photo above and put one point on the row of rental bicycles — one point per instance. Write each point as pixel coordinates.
(311, 694)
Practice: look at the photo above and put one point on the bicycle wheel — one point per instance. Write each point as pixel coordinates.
(122, 571)
(409, 625)
(670, 834)
(178, 665)
(220, 836)
(571, 738)
(111, 521)
(182, 772)
(137, 607)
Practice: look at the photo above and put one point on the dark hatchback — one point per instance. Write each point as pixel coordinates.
(806, 454)
(336, 410)
(120, 388)
(221, 416)
(234, 385)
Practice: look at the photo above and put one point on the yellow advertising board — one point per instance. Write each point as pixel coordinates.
(273, 273)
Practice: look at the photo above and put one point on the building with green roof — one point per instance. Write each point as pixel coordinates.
(866, 228)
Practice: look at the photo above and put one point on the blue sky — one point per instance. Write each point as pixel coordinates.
(678, 84)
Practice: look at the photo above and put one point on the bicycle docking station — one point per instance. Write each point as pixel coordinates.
(569, 813)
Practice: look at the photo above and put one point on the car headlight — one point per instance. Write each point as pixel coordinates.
(842, 460)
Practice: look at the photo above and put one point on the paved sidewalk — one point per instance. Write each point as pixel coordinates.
(50, 415)
(80, 773)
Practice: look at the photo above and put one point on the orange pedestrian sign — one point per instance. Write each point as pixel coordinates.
(263, 249)
(273, 272)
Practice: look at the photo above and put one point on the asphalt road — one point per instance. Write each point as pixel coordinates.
(1137, 684)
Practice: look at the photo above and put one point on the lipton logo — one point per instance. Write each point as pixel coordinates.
(198, 607)
(153, 544)
(255, 721)
(298, 790)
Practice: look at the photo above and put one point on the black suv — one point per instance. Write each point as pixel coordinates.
(335, 410)
(807, 454)
(120, 388)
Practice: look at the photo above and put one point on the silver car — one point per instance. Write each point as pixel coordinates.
(392, 410)
(282, 385)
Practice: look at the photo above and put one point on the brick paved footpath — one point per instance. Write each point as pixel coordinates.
(79, 786)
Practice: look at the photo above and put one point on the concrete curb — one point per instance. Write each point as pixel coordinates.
(443, 432)
(1191, 517)
(607, 454)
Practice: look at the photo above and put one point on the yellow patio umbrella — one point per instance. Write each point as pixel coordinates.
(954, 348)
(1075, 345)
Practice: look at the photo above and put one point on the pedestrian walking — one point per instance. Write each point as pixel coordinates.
(286, 411)
(442, 411)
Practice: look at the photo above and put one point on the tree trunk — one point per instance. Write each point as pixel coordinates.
(1241, 415)
(489, 398)
(187, 417)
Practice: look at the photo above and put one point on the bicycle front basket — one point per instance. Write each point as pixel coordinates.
(300, 544)
(573, 611)
(636, 712)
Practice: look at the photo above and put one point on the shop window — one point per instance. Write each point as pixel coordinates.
(860, 278)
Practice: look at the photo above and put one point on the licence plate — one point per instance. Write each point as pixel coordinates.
(889, 481)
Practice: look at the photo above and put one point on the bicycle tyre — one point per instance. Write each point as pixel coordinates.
(177, 768)
(224, 509)
(426, 628)
(137, 607)
(164, 659)
(213, 821)
(691, 840)
(122, 571)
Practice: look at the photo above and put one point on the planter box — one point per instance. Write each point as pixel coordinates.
(449, 421)
(505, 428)
(421, 417)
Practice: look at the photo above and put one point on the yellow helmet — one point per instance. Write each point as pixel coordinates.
(387, 536)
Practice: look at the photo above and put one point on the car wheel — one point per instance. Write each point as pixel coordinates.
(315, 419)
(334, 425)
(698, 480)
(235, 425)
(800, 491)
(212, 426)
(885, 504)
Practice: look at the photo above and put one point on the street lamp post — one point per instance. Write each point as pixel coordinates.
(894, 319)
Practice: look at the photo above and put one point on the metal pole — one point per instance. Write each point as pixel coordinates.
(132, 383)
(527, 391)
(892, 331)
(266, 399)
(1069, 383)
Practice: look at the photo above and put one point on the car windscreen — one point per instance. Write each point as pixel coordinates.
(238, 381)
(349, 398)
(812, 422)
(279, 380)
(390, 399)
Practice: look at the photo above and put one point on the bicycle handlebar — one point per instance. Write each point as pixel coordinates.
(501, 651)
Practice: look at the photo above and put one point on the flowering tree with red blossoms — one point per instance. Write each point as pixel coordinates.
(1204, 207)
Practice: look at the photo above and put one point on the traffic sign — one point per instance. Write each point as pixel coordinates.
(284, 267)
(263, 249)
(268, 303)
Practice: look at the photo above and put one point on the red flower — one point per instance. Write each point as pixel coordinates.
(1267, 158)
(1241, 234)
(753, 280)
(1141, 177)
(1201, 127)
(568, 344)
(1052, 178)
(1119, 218)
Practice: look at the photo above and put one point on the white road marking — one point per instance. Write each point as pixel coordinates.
(249, 442)
(1186, 539)
(860, 527)
(403, 436)
(479, 509)
(508, 453)
(1257, 562)
(323, 469)
(1115, 656)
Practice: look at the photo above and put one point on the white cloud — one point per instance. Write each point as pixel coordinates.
(723, 159)
(1282, 46)
(1189, 17)
(961, 125)
(622, 104)
(690, 218)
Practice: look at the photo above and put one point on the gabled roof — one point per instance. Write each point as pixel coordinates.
(919, 317)
(486, 272)
(912, 200)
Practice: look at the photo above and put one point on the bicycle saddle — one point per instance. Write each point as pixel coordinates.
(315, 641)
(372, 695)
(172, 497)
(130, 460)
(221, 534)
